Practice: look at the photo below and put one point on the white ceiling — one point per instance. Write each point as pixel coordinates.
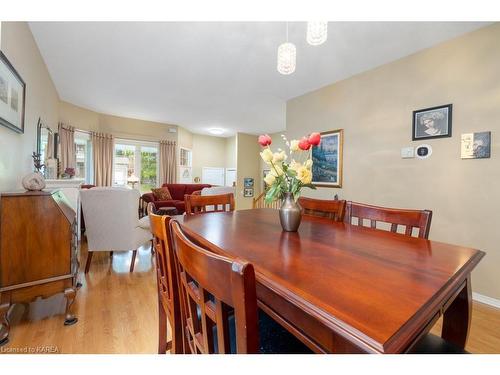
(215, 74)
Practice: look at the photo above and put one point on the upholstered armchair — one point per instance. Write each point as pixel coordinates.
(112, 223)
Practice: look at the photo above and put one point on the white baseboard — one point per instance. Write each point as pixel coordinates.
(486, 300)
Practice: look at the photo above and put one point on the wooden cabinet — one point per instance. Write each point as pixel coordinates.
(38, 251)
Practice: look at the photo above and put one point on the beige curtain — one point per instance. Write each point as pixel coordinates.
(102, 153)
(67, 146)
(168, 162)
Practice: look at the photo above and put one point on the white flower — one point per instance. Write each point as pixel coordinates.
(269, 179)
(279, 157)
(308, 163)
(294, 166)
(267, 155)
(304, 175)
(276, 171)
(294, 145)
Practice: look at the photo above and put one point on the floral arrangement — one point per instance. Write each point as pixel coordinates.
(69, 172)
(292, 176)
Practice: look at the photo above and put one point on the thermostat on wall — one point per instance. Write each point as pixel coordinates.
(423, 151)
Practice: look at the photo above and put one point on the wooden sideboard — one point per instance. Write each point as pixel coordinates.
(38, 251)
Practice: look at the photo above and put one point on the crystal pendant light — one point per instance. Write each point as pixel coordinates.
(317, 32)
(287, 56)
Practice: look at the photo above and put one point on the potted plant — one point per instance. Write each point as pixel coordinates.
(287, 178)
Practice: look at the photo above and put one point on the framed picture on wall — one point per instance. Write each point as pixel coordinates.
(12, 96)
(327, 159)
(432, 122)
(476, 145)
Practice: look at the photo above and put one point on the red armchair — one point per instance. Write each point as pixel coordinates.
(177, 192)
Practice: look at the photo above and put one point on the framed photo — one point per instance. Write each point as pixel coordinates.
(248, 192)
(12, 96)
(248, 182)
(432, 122)
(476, 145)
(327, 159)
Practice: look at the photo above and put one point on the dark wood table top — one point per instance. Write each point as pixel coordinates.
(369, 283)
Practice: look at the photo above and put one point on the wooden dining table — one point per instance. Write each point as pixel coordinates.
(343, 288)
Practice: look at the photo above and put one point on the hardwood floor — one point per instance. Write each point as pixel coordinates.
(118, 313)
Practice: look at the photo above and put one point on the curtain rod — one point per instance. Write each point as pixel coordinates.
(124, 138)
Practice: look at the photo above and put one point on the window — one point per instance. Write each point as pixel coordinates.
(82, 152)
(185, 157)
(136, 165)
(185, 161)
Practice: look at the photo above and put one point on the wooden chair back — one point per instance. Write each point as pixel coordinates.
(212, 286)
(332, 209)
(168, 291)
(201, 204)
(408, 219)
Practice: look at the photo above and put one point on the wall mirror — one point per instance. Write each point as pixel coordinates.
(46, 146)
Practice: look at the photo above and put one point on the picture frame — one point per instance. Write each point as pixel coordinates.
(475, 145)
(327, 158)
(248, 192)
(433, 122)
(12, 96)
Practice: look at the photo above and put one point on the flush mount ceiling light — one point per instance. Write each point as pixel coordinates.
(216, 131)
(317, 33)
(287, 56)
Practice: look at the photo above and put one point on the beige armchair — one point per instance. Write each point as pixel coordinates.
(112, 222)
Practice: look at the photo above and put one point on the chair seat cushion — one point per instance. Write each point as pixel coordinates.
(432, 344)
(144, 223)
(273, 338)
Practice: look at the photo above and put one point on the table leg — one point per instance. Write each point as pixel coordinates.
(457, 318)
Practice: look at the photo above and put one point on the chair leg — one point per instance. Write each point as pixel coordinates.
(89, 259)
(111, 254)
(162, 329)
(132, 263)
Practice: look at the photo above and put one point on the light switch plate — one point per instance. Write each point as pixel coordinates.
(407, 152)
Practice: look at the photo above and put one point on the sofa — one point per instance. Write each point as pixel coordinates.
(177, 191)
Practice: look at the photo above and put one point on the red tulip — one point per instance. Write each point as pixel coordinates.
(304, 144)
(265, 140)
(314, 139)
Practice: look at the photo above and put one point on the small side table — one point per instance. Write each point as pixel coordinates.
(166, 211)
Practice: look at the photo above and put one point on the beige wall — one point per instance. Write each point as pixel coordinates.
(120, 127)
(42, 100)
(248, 165)
(208, 151)
(375, 110)
(231, 152)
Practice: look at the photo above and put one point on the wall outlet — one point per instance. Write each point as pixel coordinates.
(407, 152)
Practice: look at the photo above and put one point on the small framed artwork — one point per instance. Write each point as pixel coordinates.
(328, 159)
(12, 96)
(248, 182)
(432, 122)
(476, 145)
(248, 192)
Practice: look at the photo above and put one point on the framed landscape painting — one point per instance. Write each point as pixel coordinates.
(12, 96)
(327, 159)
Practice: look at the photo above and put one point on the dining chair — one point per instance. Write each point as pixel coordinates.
(219, 304)
(200, 204)
(169, 306)
(331, 209)
(408, 219)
